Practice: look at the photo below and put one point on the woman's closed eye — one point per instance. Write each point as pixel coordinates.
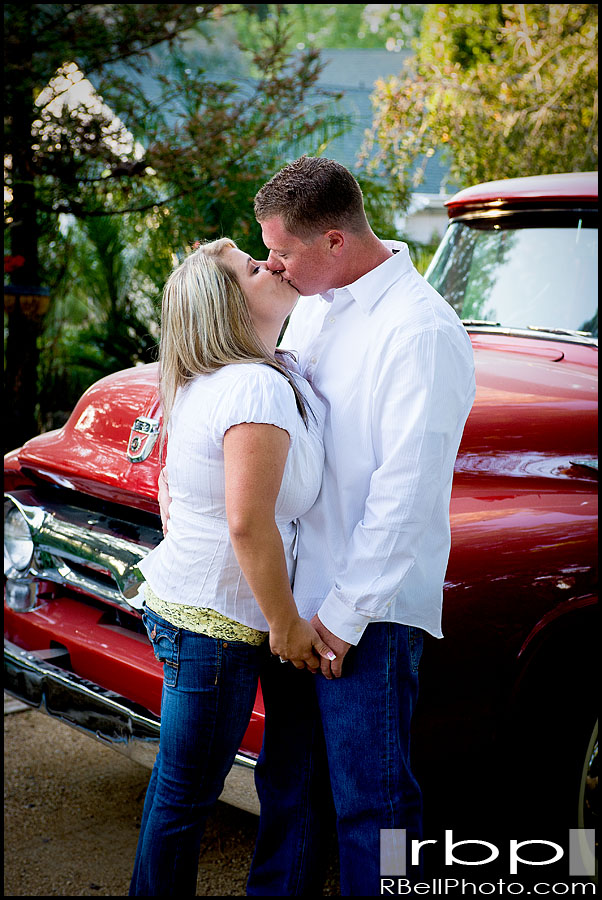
(252, 266)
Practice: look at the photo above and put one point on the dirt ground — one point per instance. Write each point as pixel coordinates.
(72, 813)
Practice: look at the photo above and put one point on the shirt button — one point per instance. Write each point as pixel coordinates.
(332, 320)
(313, 360)
(358, 628)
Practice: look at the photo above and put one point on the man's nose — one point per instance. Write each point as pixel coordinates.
(273, 263)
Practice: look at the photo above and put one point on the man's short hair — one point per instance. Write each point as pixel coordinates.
(312, 195)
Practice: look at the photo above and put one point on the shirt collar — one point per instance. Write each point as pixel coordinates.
(368, 289)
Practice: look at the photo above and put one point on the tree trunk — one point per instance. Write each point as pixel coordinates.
(25, 313)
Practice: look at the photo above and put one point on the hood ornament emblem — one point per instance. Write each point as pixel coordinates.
(143, 438)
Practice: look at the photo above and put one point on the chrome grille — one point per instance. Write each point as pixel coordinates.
(88, 550)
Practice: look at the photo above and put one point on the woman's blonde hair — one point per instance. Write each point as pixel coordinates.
(206, 324)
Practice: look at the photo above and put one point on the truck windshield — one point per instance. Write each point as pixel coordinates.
(521, 273)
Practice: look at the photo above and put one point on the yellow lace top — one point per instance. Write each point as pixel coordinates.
(203, 620)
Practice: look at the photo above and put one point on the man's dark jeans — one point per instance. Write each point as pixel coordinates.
(345, 740)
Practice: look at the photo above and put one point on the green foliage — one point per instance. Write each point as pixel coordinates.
(201, 122)
(105, 318)
(506, 90)
(186, 138)
(464, 33)
(340, 26)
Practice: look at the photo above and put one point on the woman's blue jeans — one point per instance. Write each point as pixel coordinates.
(345, 740)
(209, 687)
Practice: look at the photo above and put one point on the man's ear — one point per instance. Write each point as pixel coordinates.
(336, 241)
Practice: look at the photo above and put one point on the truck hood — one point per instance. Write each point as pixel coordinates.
(89, 453)
(535, 411)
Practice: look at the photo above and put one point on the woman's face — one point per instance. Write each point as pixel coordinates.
(270, 298)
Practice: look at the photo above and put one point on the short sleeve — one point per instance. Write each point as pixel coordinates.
(255, 393)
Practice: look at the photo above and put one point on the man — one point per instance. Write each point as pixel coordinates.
(394, 365)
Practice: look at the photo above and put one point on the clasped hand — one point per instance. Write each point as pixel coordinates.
(300, 643)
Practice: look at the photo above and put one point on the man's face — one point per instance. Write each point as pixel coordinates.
(308, 266)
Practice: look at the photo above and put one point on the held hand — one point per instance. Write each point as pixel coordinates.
(164, 499)
(331, 669)
(300, 644)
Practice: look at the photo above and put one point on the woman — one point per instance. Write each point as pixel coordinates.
(245, 460)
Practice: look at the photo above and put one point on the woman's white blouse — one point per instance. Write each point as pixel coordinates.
(195, 564)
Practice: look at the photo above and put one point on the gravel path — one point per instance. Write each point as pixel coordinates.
(72, 813)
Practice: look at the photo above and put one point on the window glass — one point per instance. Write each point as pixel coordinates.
(518, 277)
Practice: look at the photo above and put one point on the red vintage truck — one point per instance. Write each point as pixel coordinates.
(506, 712)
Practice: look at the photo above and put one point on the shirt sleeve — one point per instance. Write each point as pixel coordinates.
(422, 396)
(258, 394)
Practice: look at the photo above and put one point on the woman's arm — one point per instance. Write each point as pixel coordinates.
(164, 499)
(254, 459)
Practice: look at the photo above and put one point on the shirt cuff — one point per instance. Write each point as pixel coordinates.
(342, 621)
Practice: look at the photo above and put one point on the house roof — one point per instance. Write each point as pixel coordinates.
(354, 73)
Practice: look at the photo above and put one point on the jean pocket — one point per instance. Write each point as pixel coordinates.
(165, 640)
(415, 644)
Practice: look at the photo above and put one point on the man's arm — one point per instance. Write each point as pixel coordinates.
(421, 399)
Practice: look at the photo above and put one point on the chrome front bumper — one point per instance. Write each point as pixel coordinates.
(104, 715)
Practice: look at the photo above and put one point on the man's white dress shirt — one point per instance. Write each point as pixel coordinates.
(394, 366)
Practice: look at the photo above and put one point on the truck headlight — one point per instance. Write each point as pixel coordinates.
(18, 543)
